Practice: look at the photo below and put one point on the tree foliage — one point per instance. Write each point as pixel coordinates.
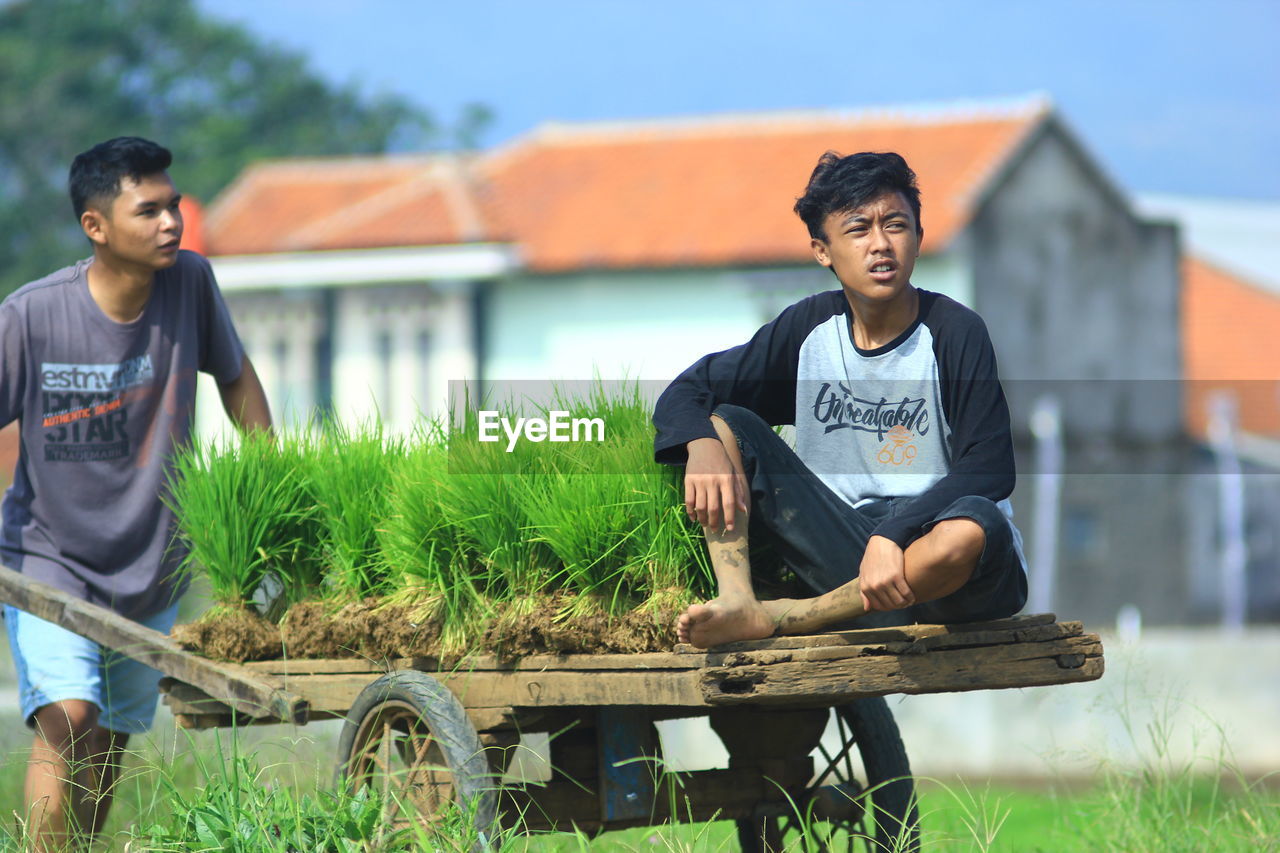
(76, 72)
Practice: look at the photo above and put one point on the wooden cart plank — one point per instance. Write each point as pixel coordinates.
(195, 709)
(497, 693)
(481, 689)
(912, 640)
(788, 676)
(1059, 662)
(532, 663)
(1026, 637)
(244, 691)
(864, 636)
(336, 693)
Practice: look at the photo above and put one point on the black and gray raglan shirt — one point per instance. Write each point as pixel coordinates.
(922, 417)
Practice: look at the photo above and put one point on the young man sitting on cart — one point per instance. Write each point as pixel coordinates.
(895, 499)
(98, 363)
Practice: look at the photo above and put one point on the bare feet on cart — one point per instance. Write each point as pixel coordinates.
(724, 620)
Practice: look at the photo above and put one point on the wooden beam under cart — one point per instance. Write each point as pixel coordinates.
(240, 689)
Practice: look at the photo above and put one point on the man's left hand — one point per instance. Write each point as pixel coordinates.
(883, 577)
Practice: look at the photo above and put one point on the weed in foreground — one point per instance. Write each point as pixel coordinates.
(234, 805)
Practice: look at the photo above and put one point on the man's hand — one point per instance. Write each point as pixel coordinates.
(883, 578)
(245, 402)
(712, 489)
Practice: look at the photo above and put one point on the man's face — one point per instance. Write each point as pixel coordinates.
(872, 249)
(142, 226)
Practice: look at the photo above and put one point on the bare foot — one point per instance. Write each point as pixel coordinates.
(723, 620)
(786, 614)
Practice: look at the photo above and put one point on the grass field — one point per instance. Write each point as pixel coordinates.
(246, 792)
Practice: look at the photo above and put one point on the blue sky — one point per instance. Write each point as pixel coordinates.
(1178, 96)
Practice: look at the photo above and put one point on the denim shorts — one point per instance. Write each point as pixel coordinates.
(54, 665)
(821, 538)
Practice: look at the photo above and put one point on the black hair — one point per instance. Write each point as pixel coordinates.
(840, 184)
(96, 174)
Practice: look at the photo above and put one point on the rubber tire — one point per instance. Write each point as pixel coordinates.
(884, 757)
(475, 787)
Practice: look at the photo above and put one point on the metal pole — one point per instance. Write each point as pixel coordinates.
(1232, 549)
(1046, 429)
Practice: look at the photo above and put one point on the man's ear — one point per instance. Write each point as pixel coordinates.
(820, 253)
(94, 223)
(919, 240)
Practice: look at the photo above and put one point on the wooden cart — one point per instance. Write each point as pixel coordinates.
(436, 731)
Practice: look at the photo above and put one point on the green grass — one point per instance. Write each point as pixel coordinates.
(268, 786)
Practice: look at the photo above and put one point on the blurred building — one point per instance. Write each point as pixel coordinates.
(362, 285)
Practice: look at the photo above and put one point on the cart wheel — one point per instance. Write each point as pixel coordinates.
(409, 738)
(890, 822)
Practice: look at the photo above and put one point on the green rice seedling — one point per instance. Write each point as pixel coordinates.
(421, 547)
(349, 472)
(606, 510)
(480, 504)
(584, 520)
(245, 514)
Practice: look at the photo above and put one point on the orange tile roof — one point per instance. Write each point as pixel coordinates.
(192, 225)
(720, 193)
(281, 206)
(1231, 342)
(695, 192)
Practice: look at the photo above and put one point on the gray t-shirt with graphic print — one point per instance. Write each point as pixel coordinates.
(103, 406)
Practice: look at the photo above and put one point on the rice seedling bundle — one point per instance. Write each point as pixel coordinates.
(249, 520)
(349, 474)
(446, 528)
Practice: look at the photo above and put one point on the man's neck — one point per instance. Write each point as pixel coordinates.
(875, 325)
(120, 291)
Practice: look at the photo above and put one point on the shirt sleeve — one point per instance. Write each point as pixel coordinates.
(221, 353)
(759, 375)
(981, 443)
(13, 364)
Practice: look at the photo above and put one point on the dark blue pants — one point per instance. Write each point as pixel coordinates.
(821, 538)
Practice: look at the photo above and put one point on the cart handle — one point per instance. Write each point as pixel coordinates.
(234, 685)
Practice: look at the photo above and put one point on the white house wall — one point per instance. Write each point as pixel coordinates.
(651, 324)
(396, 347)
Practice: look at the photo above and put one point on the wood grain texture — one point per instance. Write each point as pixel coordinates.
(829, 669)
(533, 663)
(241, 689)
(906, 633)
(835, 680)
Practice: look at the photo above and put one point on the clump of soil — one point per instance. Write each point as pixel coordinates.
(365, 629)
(230, 632)
(560, 623)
